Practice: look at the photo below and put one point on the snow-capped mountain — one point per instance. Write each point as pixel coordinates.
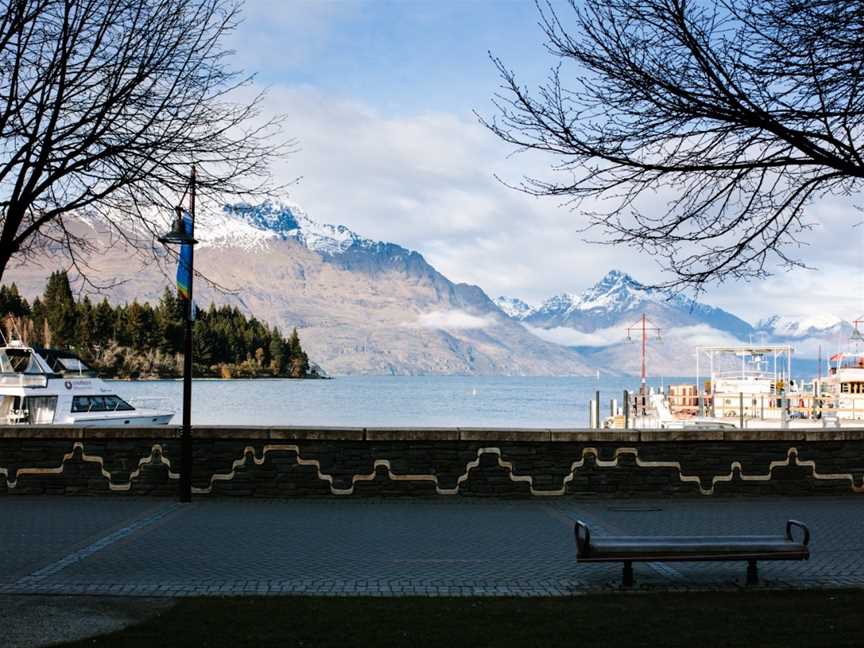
(360, 306)
(513, 307)
(791, 328)
(618, 300)
(251, 226)
(366, 306)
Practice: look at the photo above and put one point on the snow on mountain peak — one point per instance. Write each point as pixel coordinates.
(792, 327)
(513, 307)
(615, 292)
(252, 226)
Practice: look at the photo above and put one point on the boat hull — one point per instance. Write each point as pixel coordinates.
(137, 419)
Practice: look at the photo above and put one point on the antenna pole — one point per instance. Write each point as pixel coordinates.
(644, 343)
(642, 326)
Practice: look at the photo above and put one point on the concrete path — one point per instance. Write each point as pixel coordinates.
(147, 547)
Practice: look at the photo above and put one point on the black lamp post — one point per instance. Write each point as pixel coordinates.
(180, 236)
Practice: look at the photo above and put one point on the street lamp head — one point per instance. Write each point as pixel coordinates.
(178, 234)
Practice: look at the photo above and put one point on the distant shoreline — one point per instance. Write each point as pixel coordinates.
(209, 378)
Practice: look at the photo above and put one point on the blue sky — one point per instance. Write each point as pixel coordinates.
(380, 96)
(400, 56)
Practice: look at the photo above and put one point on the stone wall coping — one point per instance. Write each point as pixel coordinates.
(475, 434)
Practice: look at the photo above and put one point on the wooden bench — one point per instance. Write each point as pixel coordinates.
(630, 549)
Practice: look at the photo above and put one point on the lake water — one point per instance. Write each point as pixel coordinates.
(367, 401)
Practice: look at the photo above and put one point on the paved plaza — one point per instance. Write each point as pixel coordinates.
(150, 547)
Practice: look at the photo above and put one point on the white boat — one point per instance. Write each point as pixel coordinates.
(51, 387)
(844, 385)
(753, 390)
(741, 391)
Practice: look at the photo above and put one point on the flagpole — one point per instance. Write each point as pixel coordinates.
(186, 435)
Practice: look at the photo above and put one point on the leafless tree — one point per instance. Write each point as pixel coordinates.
(731, 116)
(104, 104)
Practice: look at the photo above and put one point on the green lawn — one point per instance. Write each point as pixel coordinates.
(695, 620)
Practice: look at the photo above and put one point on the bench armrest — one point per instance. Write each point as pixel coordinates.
(800, 525)
(583, 538)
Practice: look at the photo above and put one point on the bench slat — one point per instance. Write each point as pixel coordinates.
(692, 546)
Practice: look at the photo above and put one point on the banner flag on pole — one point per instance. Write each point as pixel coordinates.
(184, 265)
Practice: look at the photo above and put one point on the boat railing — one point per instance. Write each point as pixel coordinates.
(732, 374)
(23, 380)
(152, 403)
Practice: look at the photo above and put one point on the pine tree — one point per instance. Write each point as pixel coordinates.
(299, 360)
(294, 347)
(103, 324)
(38, 317)
(11, 302)
(170, 314)
(84, 338)
(279, 353)
(60, 309)
(139, 325)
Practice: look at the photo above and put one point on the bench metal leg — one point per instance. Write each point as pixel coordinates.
(752, 573)
(628, 574)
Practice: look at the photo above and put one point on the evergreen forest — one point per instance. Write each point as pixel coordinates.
(144, 341)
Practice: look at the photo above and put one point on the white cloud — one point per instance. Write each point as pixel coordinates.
(452, 320)
(700, 335)
(685, 336)
(566, 336)
(426, 181)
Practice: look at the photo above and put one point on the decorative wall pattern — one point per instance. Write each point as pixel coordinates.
(340, 468)
(155, 457)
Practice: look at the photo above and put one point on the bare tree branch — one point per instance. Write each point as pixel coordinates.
(106, 103)
(739, 113)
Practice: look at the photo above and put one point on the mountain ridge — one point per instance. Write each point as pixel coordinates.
(365, 306)
(360, 306)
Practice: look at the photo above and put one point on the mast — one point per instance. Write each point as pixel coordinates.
(819, 371)
(643, 350)
(642, 326)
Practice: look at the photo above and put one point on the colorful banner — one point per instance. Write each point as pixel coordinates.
(184, 265)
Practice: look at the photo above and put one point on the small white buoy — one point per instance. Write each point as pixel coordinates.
(474, 391)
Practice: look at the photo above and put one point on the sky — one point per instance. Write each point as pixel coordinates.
(381, 97)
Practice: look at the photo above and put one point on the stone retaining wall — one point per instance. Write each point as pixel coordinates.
(359, 462)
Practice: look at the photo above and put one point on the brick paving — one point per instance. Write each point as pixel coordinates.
(392, 547)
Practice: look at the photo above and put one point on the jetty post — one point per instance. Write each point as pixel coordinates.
(626, 410)
(597, 423)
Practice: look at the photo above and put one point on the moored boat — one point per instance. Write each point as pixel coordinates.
(53, 387)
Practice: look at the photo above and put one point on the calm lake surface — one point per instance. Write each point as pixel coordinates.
(365, 401)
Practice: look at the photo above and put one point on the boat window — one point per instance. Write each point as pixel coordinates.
(88, 404)
(100, 404)
(75, 365)
(117, 403)
(20, 361)
(844, 387)
(5, 363)
(40, 409)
